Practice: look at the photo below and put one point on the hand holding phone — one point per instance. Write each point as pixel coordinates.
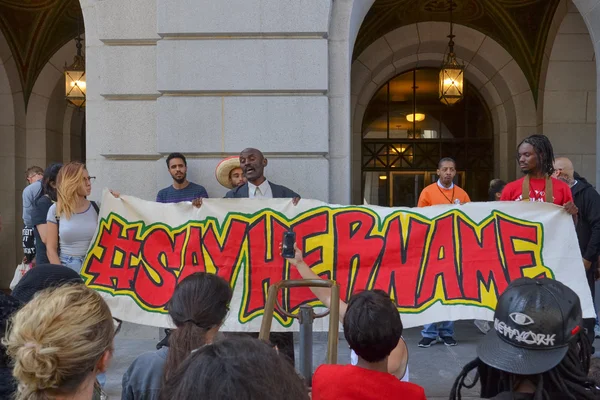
(287, 249)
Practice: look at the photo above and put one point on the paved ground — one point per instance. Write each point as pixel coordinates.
(434, 368)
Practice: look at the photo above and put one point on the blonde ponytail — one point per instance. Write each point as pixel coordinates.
(56, 341)
(68, 183)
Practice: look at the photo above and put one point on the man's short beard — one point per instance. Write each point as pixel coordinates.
(180, 180)
(525, 171)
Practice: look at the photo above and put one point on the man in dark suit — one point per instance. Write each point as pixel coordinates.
(253, 163)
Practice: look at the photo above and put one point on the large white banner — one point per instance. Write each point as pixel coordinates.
(438, 263)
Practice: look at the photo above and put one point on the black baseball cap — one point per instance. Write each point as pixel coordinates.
(534, 322)
(43, 277)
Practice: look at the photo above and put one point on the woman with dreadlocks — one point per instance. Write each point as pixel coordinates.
(538, 350)
(536, 160)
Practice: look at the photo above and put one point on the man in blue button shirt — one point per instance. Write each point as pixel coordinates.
(181, 189)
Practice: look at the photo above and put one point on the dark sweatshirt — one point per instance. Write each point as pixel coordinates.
(587, 201)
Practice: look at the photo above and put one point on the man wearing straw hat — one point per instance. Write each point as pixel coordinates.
(229, 173)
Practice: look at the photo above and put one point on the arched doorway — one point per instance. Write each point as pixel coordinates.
(406, 130)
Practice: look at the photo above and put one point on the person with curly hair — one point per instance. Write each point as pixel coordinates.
(59, 342)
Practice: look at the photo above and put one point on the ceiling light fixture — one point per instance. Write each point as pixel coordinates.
(75, 86)
(451, 74)
(418, 117)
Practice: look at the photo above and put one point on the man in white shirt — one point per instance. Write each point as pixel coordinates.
(253, 163)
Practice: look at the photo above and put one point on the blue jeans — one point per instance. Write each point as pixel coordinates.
(73, 262)
(441, 329)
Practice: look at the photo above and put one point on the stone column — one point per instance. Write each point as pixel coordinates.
(346, 18)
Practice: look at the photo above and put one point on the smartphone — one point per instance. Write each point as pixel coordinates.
(289, 239)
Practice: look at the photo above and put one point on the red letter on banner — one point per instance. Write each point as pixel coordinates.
(441, 262)
(193, 260)
(516, 260)
(311, 226)
(263, 269)
(225, 257)
(400, 265)
(354, 243)
(480, 260)
(104, 269)
(163, 256)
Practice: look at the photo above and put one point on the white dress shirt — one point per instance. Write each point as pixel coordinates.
(262, 191)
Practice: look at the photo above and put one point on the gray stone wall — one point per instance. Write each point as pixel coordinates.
(207, 79)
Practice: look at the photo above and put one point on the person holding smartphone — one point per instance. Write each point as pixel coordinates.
(397, 363)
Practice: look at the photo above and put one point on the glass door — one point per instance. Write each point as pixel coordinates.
(406, 187)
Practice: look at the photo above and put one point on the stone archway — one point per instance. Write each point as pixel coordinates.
(12, 159)
(46, 110)
(569, 85)
(489, 67)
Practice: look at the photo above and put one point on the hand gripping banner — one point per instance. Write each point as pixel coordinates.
(437, 263)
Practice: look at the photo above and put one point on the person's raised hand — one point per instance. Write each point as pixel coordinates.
(297, 255)
(197, 202)
(115, 194)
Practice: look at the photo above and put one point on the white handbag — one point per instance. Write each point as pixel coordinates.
(19, 273)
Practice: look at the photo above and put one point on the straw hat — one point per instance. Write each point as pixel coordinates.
(224, 168)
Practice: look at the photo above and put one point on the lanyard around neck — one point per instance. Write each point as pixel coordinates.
(451, 201)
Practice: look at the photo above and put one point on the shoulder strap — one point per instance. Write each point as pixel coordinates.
(549, 190)
(525, 190)
(95, 207)
(57, 217)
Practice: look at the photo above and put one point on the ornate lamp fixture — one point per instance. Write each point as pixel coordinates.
(451, 74)
(75, 78)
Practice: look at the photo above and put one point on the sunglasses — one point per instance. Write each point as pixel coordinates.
(117, 324)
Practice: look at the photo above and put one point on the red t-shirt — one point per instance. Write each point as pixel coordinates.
(514, 191)
(348, 382)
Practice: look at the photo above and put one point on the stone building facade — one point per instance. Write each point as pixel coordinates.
(209, 78)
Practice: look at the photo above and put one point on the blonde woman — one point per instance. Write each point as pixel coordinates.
(73, 219)
(59, 342)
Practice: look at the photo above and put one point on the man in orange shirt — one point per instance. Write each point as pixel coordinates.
(444, 191)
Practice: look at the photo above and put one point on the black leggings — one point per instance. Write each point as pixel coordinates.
(590, 323)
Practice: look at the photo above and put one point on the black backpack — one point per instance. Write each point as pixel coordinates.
(94, 204)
